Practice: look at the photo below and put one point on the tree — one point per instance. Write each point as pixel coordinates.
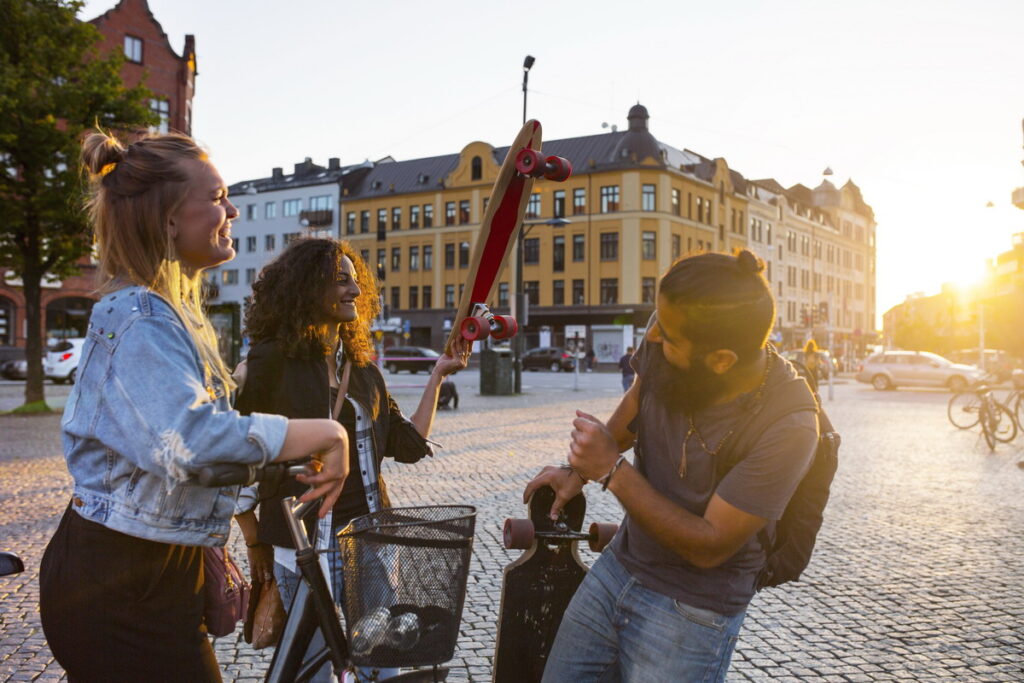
(54, 85)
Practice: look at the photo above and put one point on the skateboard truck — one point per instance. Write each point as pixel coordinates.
(530, 163)
(482, 324)
(519, 534)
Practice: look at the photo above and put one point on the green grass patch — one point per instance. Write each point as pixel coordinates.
(36, 407)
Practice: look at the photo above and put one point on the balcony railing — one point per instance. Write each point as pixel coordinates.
(316, 219)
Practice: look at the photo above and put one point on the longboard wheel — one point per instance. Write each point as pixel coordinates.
(557, 168)
(529, 162)
(518, 534)
(506, 327)
(474, 329)
(601, 535)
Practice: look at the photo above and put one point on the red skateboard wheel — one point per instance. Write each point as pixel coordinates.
(557, 168)
(529, 162)
(506, 326)
(601, 535)
(474, 329)
(518, 534)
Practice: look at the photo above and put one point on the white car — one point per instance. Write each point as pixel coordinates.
(61, 362)
(892, 369)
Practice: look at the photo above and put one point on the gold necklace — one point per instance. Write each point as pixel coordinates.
(692, 430)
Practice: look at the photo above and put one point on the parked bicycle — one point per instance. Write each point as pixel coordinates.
(405, 586)
(979, 406)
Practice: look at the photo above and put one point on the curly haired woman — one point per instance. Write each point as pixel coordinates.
(309, 326)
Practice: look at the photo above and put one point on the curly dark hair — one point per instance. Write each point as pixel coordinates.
(287, 296)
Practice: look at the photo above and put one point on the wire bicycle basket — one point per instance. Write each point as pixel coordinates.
(405, 575)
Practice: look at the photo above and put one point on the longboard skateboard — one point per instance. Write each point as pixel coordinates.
(502, 218)
(538, 585)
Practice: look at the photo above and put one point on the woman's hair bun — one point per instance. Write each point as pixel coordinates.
(748, 262)
(99, 151)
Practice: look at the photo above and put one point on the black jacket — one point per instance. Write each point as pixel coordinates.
(298, 388)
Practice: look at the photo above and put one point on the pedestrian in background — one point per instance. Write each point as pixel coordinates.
(590, 358)
(812, 359)
(120, 583)
(626, 368)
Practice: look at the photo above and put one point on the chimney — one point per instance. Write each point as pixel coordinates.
(333, 164)
(277, 173)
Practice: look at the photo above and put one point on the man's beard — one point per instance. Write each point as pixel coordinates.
(686, 391)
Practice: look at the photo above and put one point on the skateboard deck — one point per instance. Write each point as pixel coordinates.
(501, 221)
(537, 587)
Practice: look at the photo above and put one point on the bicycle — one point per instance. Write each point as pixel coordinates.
(998, 423)
(407, 615)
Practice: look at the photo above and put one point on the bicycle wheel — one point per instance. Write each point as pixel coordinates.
(963, 409)
(1004, 428)
(987, 424)
(1018, 410)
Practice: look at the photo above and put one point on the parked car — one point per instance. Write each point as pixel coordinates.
(14, 369)
(892, 369)
(411, 358)
(61, 362)
(553, 358)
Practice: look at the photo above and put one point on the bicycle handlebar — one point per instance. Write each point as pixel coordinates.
(232, 474)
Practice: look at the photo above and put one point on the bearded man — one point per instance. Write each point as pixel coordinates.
(666, 600)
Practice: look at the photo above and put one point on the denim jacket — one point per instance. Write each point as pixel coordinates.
(141, 420)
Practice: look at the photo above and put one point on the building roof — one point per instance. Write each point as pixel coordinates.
(306, 174)
(189, 38)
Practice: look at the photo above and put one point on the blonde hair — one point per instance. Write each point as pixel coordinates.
(134, 192)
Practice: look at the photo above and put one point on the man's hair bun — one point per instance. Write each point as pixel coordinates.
(99, 151)
(748, 262)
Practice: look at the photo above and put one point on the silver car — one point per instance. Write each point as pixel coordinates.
(891, 369)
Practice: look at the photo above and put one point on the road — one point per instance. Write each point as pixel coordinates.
(917, 574)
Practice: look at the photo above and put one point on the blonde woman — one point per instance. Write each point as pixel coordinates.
(121, 580)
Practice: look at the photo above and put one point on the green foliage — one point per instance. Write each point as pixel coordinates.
(53, 86)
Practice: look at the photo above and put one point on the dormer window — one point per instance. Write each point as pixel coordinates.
(375, 185)
(133, 49)
(477, 168)
(422, 178)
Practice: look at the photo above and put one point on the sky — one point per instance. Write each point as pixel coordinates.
(919, 102)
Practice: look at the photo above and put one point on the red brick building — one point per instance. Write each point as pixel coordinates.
(130, 26)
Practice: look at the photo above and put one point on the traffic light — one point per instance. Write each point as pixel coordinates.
(823, 312)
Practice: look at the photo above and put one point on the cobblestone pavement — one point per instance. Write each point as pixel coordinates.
(917, 575)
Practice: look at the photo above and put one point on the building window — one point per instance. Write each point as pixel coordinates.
(365, 255)
(558, 292)
(382, 220)
(428, 215)
(579, 251)
(477, 168)
(768, 233)
(677, 207)
(414, 297)
(650, 246)
(350, 223)
(449, 256)
(229, 277)
(577, 292)
(609, 246)
(558, 254)
(162, 109)
(269, 243)
(396, 218)
(449, 296)
(428, 296)
(396, 298)
(648, 197)
(414, 258)
(579, 201)
(531, 251)
(503, 294)
(609, 290)
(449, 213)
(320, 203)
(270, 210)
(364, 221)
(250, 243)
(609, 198)
(559, 208)
(647, 290)
(291, 207)
(382, 256)
(532, 290)
(677, 247)
(463, 212)
(414, 217)
(396, 259)
(289, 237)
(250, 276)
(251, 212)
(234, 245)
(533, 206)
(428, 257)
(464, 255)
(133, 49)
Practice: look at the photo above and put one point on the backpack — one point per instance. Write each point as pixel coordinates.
(789, 552)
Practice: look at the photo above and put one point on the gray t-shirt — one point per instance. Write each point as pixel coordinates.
(761, 484)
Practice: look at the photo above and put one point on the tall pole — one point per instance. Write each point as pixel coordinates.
(517, 341)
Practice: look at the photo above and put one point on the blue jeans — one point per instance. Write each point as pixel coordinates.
(288, 584)
(627, 382)
(617, 630)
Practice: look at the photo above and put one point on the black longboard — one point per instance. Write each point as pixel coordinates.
(538, 585)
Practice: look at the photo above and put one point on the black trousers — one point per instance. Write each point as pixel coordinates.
(119, 608)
